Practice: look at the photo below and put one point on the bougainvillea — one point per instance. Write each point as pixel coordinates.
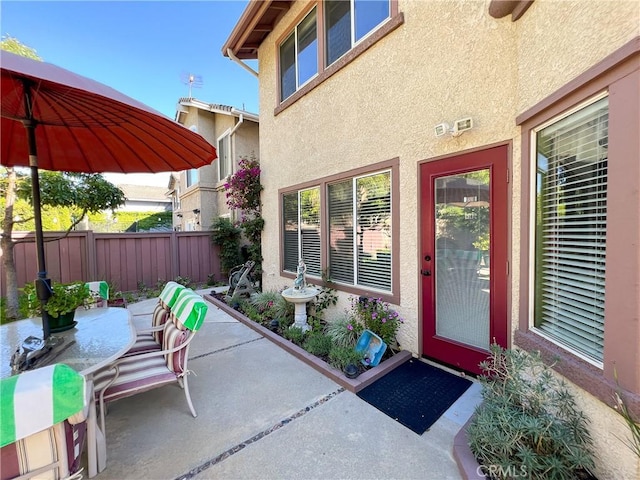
(243, 188)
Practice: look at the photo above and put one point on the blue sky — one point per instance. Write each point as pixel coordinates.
(143, 49)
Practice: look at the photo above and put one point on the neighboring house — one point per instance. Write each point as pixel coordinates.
(144, 198)
(476, 164)
(196, 194)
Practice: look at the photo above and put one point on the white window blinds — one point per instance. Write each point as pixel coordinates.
(571, 221)
(360, 231)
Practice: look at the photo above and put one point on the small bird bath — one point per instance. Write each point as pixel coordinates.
(300, 294)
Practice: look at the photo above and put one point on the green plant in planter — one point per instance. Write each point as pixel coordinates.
(65, 298)
(340, 357)
(528, 423)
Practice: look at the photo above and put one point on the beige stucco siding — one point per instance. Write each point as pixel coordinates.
(385, 104)
(559, 40)
(448, 60)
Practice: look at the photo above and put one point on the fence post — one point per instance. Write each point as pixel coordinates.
(175, 261)
(92, 264)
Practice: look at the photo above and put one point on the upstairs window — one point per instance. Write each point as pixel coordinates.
(299, 56)
(224, 156)
(349, 21)
(192, 177)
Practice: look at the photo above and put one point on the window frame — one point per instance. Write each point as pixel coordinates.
(533, 229)
(294, 33)
(324, 72)
(618, 74)
(190, 182)
(392, 166)
(229, 163)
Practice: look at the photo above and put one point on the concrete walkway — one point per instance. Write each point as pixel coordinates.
(264, 414)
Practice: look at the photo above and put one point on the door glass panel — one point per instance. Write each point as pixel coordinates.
(462, 257)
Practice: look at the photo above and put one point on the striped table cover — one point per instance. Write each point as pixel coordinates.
(37, 399)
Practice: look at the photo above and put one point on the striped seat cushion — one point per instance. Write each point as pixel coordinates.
(136, 376)
(143, 344)
(141, 374)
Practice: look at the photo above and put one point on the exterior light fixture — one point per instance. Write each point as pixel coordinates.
(458, 128)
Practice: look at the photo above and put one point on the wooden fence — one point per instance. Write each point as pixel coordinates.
(124, 259)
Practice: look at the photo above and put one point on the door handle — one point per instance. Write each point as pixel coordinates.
(426, 273)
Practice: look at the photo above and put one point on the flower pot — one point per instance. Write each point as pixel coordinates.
(63, 322)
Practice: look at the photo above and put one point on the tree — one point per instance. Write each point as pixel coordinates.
(13, 45)
(81, 193)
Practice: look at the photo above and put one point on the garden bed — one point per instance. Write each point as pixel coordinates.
(352, 384)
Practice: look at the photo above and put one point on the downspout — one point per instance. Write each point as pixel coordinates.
(232, 142)
(241, 63)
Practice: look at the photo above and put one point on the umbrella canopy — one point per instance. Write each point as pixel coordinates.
(86, 126)
(57, 120)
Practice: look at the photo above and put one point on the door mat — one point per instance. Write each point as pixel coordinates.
(415, 394)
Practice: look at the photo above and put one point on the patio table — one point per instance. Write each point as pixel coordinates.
(101, 336)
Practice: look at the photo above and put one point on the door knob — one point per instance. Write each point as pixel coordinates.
(426, 273)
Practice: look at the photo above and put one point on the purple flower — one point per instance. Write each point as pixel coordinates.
(374, 315)
(349, 327)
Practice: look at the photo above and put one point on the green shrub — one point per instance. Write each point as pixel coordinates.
(340, 357)
(318, 343)
(227, 236)
(295, 334)
(528, 422)
(343, 332)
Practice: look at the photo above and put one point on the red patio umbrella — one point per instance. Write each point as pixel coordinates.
(57, 120)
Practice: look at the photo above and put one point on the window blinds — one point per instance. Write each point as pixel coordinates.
(571, 221)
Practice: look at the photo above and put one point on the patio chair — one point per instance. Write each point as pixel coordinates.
(43, 428)
(99, 294)
(149, 340)
(135, 374)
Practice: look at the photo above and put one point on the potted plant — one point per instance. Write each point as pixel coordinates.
(61, 306)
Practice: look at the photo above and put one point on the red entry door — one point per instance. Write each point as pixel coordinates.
(464, 256)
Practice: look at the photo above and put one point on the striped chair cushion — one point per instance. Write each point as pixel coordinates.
(174, 336)
(136, 376)
(143, 344)
(189, 310)
(169, 294)
(160, 316)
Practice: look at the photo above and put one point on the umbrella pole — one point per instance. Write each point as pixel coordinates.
(43, 284)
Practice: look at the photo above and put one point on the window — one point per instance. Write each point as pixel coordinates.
(224, 156)
(360, 231)
(355, 246)
(299, 56)
(192, 177)
(327, 33)
(301, 215)
(347, 22)
(570, 228)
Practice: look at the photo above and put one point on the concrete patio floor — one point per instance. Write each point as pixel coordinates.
(264, 414)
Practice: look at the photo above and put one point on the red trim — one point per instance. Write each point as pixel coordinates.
(495, 159)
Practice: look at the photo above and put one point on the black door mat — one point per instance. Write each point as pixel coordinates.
(415, 394)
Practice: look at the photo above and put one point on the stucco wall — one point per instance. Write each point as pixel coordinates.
(385, 104)
(447, 61)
